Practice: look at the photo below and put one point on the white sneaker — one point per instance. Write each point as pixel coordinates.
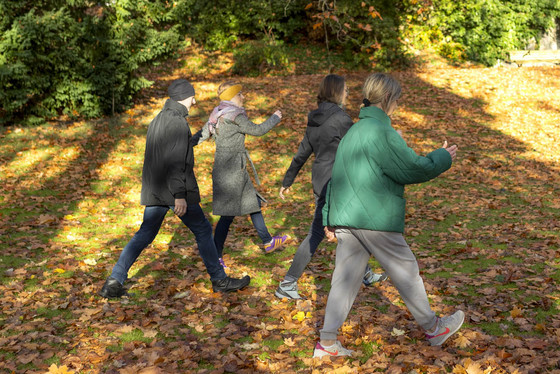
(287, 290)
(334, 350)
(446, 326)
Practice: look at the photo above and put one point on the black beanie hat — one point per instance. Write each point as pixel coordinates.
(180, 89)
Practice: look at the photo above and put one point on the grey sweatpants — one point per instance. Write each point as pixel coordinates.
(391, 251)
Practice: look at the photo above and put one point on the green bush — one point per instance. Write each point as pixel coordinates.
(219, 24)
(256, 57)
(80, 58)
(478, 30)
(70, 58)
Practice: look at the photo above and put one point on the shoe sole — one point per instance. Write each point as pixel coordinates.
(233, 289)
(450, 333)
(280, 295)
(106, 296)
(321, 354)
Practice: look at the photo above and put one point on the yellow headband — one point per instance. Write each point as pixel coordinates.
(230, 92)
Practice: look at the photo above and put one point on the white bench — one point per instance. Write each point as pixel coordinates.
(534, 57)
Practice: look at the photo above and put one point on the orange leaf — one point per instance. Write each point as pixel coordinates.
(516, 312)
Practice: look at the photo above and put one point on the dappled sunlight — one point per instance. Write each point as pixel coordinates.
(524, 105)
(496, 204)
(123, 162)
(26, 161)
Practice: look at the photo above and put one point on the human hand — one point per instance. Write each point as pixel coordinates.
(329, 233)
(452, 150)
(283, 190)
(180, 207)
(278, 113)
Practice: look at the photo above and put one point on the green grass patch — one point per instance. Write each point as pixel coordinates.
(135, 335)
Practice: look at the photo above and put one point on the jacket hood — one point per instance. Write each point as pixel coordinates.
(320, 115)
(174, 105)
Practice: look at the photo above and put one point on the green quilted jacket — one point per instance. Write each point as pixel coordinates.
(372, 166)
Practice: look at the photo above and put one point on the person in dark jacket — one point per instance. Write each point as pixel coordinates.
(326, 126)
(168, 182)
(233, 191)
(365, 206)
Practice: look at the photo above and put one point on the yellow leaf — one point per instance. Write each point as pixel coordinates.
(54, 369)
(516, 312)
(59, 270)
(300, 316)
(289, 342)
(462, 342)
(397, 332)
(308, 6)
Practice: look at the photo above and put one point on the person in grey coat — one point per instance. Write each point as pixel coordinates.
(326, 126)
(168, 182)
(233, 191)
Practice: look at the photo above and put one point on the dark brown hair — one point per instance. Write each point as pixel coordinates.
(331, 89)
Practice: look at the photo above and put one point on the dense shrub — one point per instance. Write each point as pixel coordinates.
(81, 58)
(479, 30)
(67, 57)
(218, 24)
(256, 57)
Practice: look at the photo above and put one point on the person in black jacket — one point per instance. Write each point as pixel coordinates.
(168, 182)
(326, 126)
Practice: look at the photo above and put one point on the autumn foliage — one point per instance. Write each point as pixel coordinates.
(485, 235)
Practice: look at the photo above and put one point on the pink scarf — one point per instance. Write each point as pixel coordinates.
(225, 109)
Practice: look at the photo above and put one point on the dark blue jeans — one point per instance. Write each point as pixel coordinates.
(222, 229)
(194, 219)
(307, 248)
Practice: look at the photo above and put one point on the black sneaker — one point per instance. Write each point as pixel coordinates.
(112, 289)
(229, 284)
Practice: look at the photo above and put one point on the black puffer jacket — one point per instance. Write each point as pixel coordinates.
(169, 160)
(326, 126)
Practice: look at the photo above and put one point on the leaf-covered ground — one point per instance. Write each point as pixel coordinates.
(485, 234)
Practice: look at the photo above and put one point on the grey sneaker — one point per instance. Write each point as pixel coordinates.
(287, 290)
(333, 350)
(446, 326)
(370, 277)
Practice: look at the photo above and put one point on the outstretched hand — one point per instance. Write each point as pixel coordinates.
(452, 150)
(283, 190)
(278, 113)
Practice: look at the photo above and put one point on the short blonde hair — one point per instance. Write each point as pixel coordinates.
(381, 88)
(232, 86)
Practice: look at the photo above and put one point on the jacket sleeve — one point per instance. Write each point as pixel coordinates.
(250, 128)
(201, 136)
(404, 166)
(176, 153)
(301, 156)
(325, 210)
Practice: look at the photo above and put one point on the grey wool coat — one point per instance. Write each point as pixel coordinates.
(233, 190)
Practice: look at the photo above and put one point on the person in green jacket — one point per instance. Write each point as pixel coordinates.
(365, 208)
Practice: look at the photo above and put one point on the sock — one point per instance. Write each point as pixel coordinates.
(434, 332)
